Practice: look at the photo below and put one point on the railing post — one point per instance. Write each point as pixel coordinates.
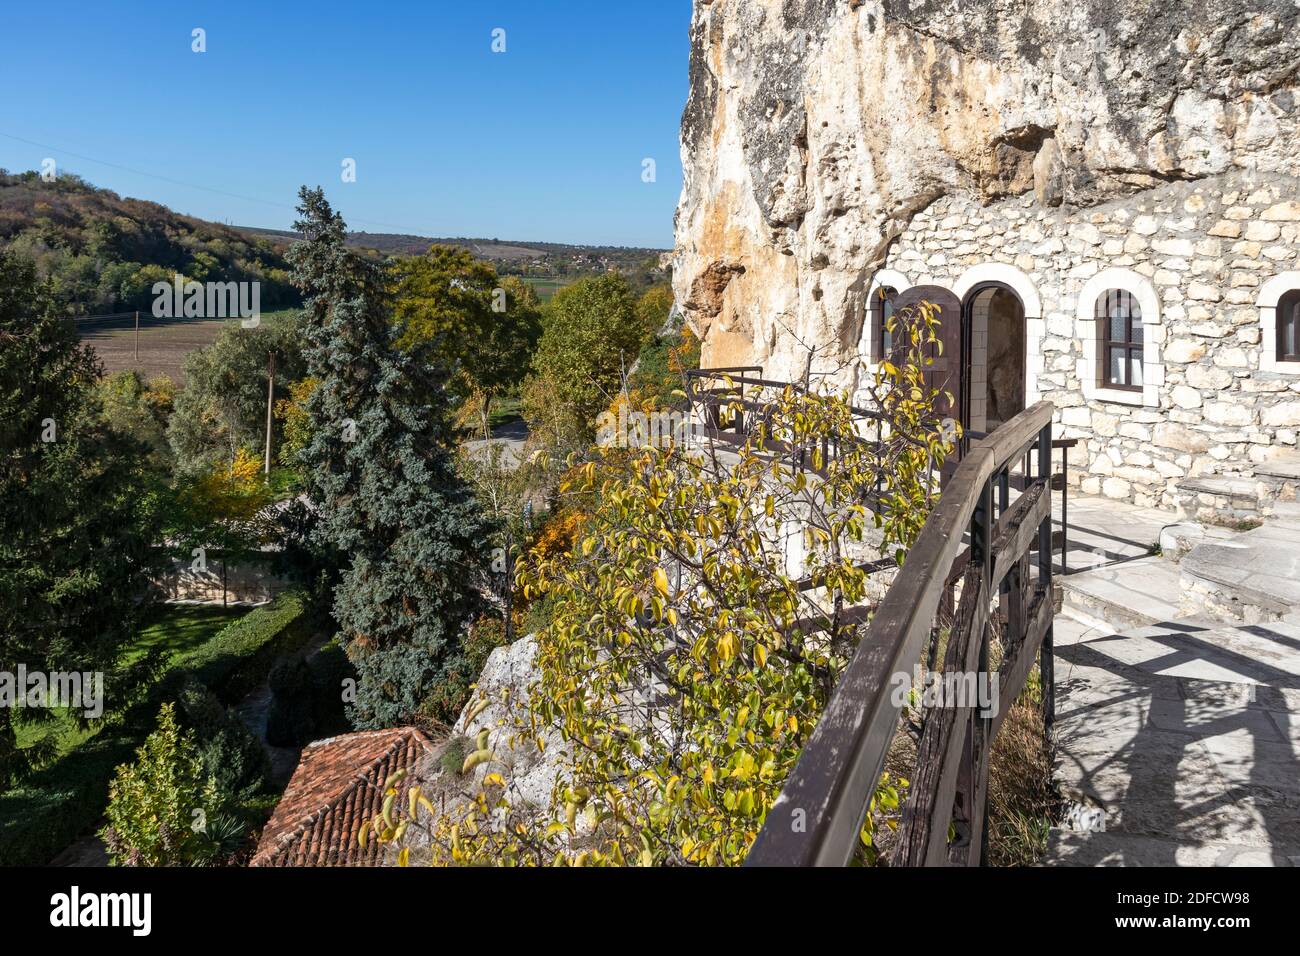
(1045, 663)
(969, 817)
(981, 725)
(1065, 509)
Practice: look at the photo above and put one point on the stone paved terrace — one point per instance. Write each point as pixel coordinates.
(1178, 720)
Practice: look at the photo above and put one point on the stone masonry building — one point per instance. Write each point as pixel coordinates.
(1200, 388)
(1105, 196)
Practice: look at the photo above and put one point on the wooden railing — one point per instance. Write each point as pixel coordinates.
(975, 545)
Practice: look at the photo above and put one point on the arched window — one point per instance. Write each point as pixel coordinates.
(882, 308)
(1121, 363)
(1119, 333)
(1279, 321)
(1288, 327)
(884, 288)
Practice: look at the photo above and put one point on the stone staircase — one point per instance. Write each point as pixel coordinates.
(1234, 498)
(1178, 691)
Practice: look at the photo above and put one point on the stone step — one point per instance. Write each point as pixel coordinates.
(1233, 497)
(1253, 577)
(1285, 469)
(1223, 498)
(1124, 594)
(1288, 511)
(1176, 540)
(1069, 848)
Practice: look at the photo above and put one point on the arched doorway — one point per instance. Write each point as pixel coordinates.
(994, 319)
(945, 372)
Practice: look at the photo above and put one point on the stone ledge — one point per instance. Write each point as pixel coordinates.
(1222, 486)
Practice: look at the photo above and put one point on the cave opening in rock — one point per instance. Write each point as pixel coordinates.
(995, 320)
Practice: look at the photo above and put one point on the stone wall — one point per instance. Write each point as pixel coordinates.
(816, 130)
(248, 583)
(1202, 251)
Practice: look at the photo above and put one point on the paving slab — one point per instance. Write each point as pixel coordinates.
(1103, 531)
(1128, 593)
(1182, 739)
(1068, 848)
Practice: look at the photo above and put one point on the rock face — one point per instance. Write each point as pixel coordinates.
(816, 130)
(507, 676)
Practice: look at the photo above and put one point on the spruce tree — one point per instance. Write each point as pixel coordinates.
(381, 474)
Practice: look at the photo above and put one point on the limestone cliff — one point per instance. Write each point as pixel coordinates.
(816, 129)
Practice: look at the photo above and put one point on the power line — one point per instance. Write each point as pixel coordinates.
(179, 182)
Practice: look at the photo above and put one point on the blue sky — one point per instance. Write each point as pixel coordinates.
(543, 142)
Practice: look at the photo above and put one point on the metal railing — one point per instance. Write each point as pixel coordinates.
(817, 818)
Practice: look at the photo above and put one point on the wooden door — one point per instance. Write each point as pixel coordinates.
(945, 373)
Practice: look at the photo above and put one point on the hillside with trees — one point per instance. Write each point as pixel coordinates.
(555, 260)
(103, 253)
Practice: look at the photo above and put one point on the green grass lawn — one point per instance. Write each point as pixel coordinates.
(505, 409)
(546, 287)
(178, 628)
(174, 629)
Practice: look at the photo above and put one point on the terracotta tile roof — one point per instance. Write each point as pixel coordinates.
(337, 787)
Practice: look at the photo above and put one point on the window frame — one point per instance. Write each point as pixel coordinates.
(880, 297)
(1129, 347)
(1288, 313)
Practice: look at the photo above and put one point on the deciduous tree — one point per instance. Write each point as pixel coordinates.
(482, 328)
(590, 338)
(699, 625)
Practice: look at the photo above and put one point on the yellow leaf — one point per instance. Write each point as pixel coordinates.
(474, 759)
(661, 581)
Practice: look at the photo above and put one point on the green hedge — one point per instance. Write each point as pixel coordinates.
(50, 810)
(239, 658)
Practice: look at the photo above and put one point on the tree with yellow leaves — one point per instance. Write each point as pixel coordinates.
(694, 644)
(223, 513)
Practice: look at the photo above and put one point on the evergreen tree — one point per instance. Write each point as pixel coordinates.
(79, 502)
(381, 473)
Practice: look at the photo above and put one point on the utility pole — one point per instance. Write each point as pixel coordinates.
(270, 404)
(137, 338)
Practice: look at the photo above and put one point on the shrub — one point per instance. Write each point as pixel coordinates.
(308, 697)
(453, 755)
(291, 720)
(159, 803)
(57, 804)
(235, 661)
(231, 755)
(330, 667)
